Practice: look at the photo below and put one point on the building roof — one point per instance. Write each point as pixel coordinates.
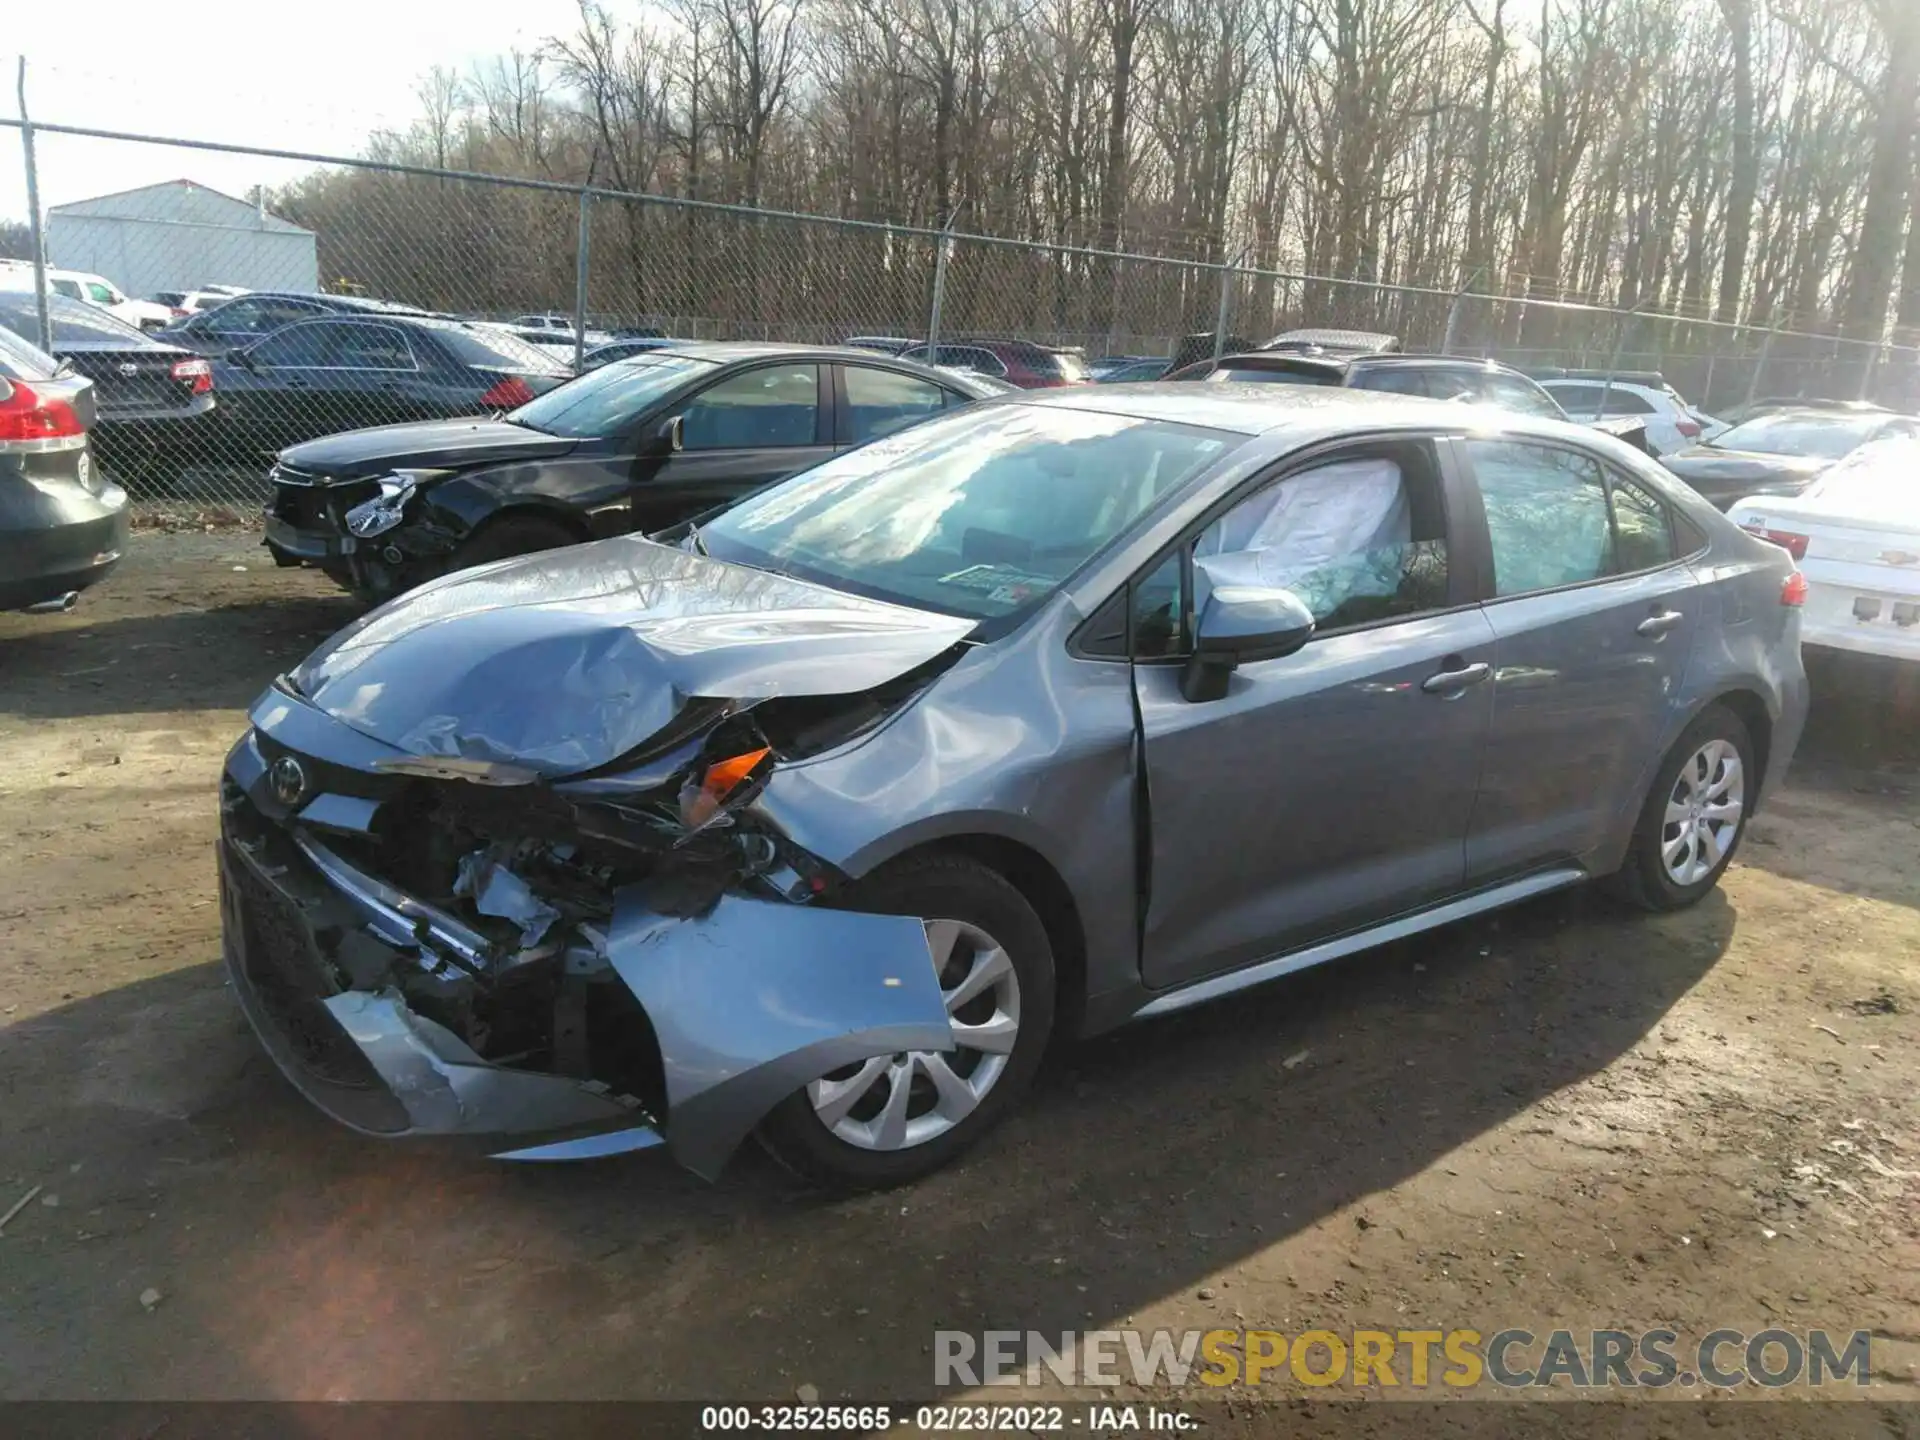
(178, 202)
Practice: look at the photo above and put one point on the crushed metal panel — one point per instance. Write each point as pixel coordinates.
(761, 997)
(447, 1089)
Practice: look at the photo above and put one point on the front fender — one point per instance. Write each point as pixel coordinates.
(760, 997)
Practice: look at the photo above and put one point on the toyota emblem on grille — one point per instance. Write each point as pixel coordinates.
(288, 780)
(128, 368)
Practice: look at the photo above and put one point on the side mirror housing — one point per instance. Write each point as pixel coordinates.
(1242, 623)
(238, 356)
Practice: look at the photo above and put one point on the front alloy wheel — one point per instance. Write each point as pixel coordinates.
(892, 1102)
(894, 1118)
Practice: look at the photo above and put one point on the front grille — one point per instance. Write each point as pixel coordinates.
(319, 507)
(287, 978)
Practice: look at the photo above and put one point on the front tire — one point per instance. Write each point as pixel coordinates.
(512, 535)
(896, 1118)
(1694, 815)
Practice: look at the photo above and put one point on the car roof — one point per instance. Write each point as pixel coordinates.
(1363, 341)
(1254, 409)
(1652, 379)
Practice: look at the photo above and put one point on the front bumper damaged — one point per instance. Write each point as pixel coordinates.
(745, 1003)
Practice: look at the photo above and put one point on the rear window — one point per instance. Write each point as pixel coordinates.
(1264, 375)
(73, 322)
(496, 348)
(20, 359)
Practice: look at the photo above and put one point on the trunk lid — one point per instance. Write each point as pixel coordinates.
(562, 661)
(130, 379)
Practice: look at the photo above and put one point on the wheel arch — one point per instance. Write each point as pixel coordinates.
(1041, 886)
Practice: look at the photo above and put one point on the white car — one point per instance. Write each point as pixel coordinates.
(95, 290)
(1672, 424)
(1855, 533)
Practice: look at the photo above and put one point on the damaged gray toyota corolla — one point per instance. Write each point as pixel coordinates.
(819, 822)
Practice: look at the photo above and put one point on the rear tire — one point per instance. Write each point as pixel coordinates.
(1694, 815)
(835, 1133)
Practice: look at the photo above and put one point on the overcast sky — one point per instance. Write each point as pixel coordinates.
(254, 72)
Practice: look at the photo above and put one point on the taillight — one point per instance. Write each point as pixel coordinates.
(1793, 590)
(508, 394)
(1688, 428)
(25, 415)
(1794, 545)
(198, 371)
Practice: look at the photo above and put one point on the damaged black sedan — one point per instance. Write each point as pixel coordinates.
(1031, 719)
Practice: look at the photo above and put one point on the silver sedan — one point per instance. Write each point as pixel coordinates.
(1066, 710)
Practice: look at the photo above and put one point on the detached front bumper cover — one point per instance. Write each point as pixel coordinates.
(748, 1003)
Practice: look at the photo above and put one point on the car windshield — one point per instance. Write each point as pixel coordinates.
(981, 515)
(72, 320)
(1269, 375)
(1823, 437)
(603, 400)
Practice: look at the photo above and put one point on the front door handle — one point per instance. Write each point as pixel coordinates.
(1452, 682)
(1654, 626)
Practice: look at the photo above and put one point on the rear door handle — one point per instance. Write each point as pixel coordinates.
(1450, 682)
(1654, 626)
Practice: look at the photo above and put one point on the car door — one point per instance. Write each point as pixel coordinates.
(872, 402)
(1594, 613)
(1331, 788)
(751, 426)
(372, 378)
(273, 394)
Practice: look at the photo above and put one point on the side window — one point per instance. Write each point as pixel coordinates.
(775, 406)
(1511, 392)
(1577, 399)
(1358, 540)
(99, 294)
(1626, 402)
(1547, 517)
(1642, 536)
(68, 288)
(299, 345)
(372, 347)
(880, 402)
(1396, 380)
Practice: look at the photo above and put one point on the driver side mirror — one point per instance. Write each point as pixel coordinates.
(1242, 623)
(673, 434)
(239, 356)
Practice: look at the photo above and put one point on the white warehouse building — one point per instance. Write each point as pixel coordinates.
(181, 236)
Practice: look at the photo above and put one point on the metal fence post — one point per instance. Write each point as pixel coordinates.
(941, 247)
(581, 263)
(1453, 312)
(1228, 270)
(37, 240)
(1760, 365)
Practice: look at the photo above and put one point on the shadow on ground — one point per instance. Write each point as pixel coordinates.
(298, 1259)
(215, 658)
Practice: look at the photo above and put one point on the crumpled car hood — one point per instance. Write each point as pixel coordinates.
(562, 661)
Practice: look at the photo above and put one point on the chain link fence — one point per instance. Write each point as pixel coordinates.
(381, 293)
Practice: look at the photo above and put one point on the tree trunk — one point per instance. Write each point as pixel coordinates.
(1877, 252)
(1746, 162)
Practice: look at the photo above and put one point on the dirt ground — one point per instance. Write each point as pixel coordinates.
(1564, 1116)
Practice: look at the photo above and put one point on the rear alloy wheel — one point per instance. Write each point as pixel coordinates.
(893, 1118)
(1694, 816)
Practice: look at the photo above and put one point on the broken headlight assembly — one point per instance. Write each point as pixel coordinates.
(388, 508)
